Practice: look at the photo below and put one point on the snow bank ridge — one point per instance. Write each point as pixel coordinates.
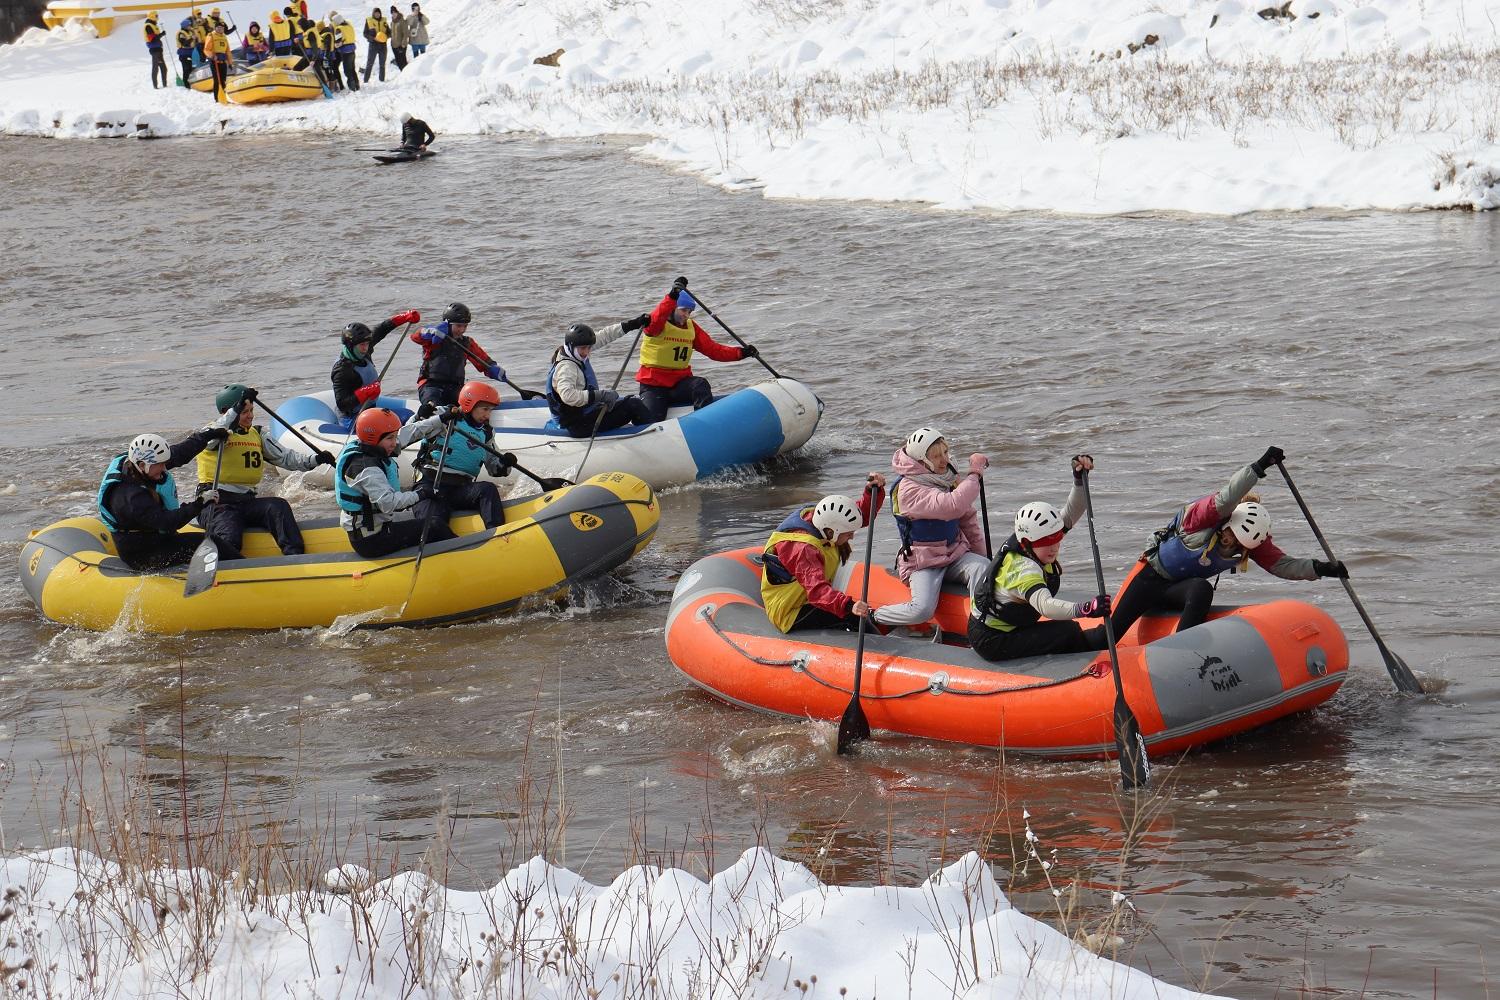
(76, 925)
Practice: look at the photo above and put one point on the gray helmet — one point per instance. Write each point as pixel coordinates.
(458, 313)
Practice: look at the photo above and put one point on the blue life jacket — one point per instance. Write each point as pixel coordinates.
(1183, 563)
(166, 491)
(564, 413)
(365, 366)
(350, 499)
(775, 571)
(466, 451)
(920, 529)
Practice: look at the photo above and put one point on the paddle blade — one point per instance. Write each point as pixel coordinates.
(1130, 745)
(548, 485)
(1406, 681)
(202, 568)
(530, 394)
(853, 727)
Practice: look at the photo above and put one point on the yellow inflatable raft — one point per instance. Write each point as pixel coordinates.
(72, 573)
(271, 81)
(264, 83)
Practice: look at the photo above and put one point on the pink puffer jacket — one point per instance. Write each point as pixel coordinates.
(920, 501)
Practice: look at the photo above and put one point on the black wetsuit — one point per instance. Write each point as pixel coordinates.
(415, 134)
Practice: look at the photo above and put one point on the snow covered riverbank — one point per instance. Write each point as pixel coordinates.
(762, 928)
(1079, 106)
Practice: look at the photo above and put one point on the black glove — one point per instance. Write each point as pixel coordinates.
(216, 434)
(249, 396)
(678, 286)
(326, 458)
(749, 351)
(632, 325)
(1078, 469)
(608, 397)
(1273, 456)
(508, 460)
(449, 415)
(1335, 568)
(426, 410)
(425, 491)
(1092, 607)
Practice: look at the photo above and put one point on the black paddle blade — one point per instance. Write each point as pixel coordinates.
(1130, 745)
(548, 485)
(202, 569)
(853, 727)
(1406, 681)
(531, 394)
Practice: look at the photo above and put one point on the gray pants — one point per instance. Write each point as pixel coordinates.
(927, 587)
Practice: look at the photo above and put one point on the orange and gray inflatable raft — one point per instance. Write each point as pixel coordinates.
(1244, 667)
(72, 573)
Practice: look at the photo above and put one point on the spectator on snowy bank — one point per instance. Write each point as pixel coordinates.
(377, 34)
(400, 37)
(417, 21)
(216, 50)
(257, 47)
(281, 34)
(187, 44)
(343, 45)
(154, 46)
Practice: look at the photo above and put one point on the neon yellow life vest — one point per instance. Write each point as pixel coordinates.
(242, 460)
(671, 349)
(782, 601)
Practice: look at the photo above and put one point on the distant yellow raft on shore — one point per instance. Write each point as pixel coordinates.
(72, 573)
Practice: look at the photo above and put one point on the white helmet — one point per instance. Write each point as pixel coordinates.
(1251, 524)
(835, 515)
(148, 449)
(921, 439)
(1036, 521)
(405, 117)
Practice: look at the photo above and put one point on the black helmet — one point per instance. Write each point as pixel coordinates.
(580, 335)
(458, 313)
(357, 333)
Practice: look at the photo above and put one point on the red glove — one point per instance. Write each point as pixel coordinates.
(410, 316)
(367, 392)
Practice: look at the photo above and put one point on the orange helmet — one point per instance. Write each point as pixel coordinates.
(474, 393)
(374, 424)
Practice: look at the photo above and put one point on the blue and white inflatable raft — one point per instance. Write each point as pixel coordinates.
(751, 425)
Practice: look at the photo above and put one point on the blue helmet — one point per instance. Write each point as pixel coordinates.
(187, 22)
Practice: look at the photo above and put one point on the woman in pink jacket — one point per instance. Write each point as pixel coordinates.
(941, 539)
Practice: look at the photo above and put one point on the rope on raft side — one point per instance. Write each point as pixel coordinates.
(937, 686)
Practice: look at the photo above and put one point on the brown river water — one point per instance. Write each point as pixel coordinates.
(1350, 852)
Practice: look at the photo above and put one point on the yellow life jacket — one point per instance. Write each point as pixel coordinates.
(242, 460)
(782, 601)
(671, 349)
(377, 25)
(345, 34)
(281, 30)
(216, 45)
